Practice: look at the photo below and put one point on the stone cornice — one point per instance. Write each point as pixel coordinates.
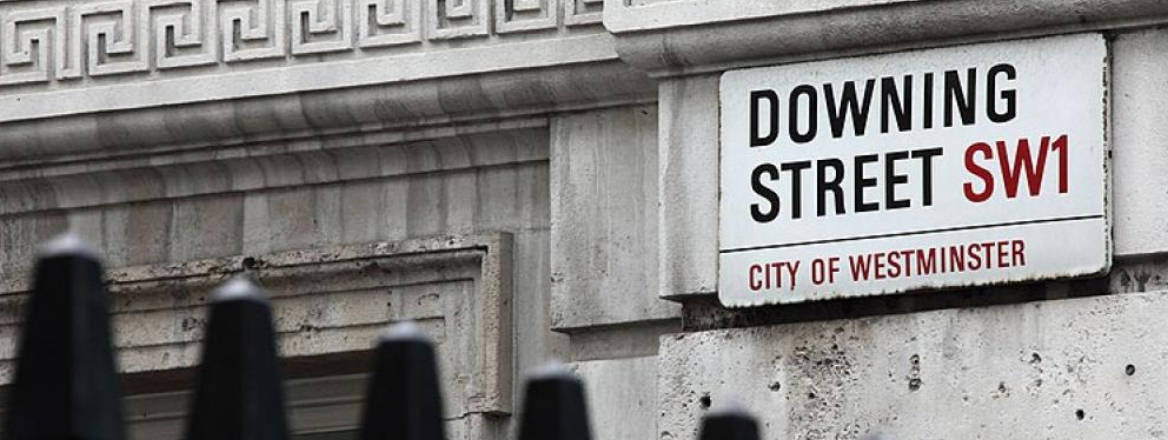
(267, 166)
(228, 84)
(263, 47)
(686, 37)
(320, 117)
(110, 77)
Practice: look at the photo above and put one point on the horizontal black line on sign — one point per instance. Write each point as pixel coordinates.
(905, 234)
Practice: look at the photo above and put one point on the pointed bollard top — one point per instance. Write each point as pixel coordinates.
(403, 400)
(239, 394)
(66, 384)
(554, 407)
(729, 422)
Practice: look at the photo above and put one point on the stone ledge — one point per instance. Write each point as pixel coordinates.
(65, 57)
(268, 166)
(674, 38)
(318, 117)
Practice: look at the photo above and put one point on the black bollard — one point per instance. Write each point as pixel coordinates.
(554, 407)
(403, 400)
(730, 422)
(66, 385)
(239, 394)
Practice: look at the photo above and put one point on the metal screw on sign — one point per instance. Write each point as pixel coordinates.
(729, 422)
(239, 394)
(554, 407)
(66, 384)
(403, 400)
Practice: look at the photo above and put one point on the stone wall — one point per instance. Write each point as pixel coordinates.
(1046, 360)
(537, 180)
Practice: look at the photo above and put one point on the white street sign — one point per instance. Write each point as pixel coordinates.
(947, 167)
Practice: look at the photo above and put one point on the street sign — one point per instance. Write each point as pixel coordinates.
(958, 166)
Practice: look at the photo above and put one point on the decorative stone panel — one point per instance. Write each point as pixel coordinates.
(46, 41)
(141, 53)
(329, 303)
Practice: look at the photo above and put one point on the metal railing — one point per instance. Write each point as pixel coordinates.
(67, 387)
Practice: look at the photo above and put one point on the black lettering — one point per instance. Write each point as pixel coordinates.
(893, 102)
(928, 101)
(892, 179)
(926, 156)
(833, 185)
(793, 114)
(847, 103)
(796, 169)
(861, 182)
(766, 193)
(963, 100)
(757, 139)
(1007, 95)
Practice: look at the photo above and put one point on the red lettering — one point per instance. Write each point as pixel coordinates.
(860, 266)
(1003, 252)
(906, 257)
(1022, 162)
(1060, 146)
(975, 169)
(1019, 248)
(974, 256)
(894, 265)
(956, 261)
(926, 260)
(791, 269)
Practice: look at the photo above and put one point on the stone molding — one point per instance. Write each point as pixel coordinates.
(317, 119)
(109, 77)
(326, 301)
(102, 75)
(267, 166)
(672, 38)
(64, 43)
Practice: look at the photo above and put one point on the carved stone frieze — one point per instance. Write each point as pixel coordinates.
(64, 41)
(61, 59)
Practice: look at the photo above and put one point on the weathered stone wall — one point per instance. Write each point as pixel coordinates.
(302, 222)
(388, 161)
(1073, 368)
(1043, 360)
(522, 148)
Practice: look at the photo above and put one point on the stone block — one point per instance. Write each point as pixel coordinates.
(1139, 149)
(620, 394)
(604, 212)
(688, 186)
(1075, 368)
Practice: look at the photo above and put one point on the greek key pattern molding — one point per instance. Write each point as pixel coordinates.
(71, 41)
